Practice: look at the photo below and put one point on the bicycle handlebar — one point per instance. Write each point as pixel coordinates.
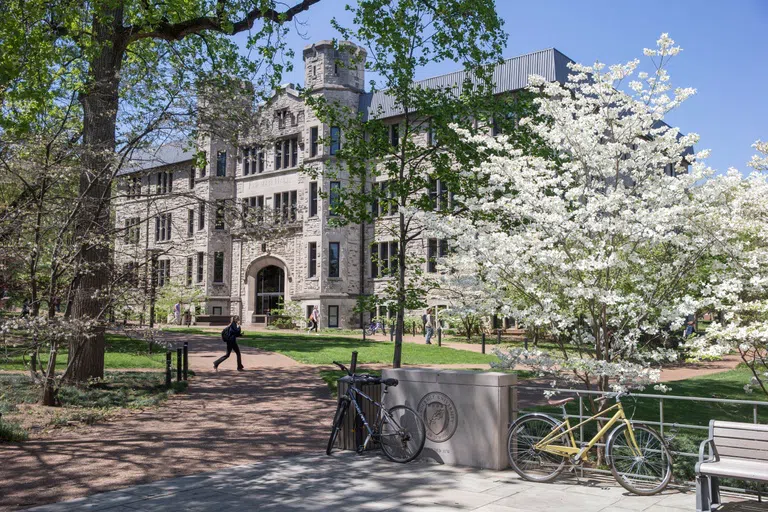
(342, 367)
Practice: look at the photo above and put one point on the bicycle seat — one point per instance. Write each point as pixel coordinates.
(390, 382)
(560, 402)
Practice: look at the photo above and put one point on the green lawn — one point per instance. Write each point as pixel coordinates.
(122, 352)
(324, 349)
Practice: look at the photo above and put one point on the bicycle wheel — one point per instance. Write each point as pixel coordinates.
(530, 463)
(402, 434)
(341, 411)
(645, 473)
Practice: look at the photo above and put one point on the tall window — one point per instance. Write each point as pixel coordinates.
(164, 182)
(221, 163)
(219, 222)
(385, 200)
(432, 134)
(190, 223)
(439, 196)
(163, 227)
(394, 135)
(335, 140)
(133, 187)
(163, 272)
(285, 204)
(247, 156)
(132, 230)
(189, 270)
(383, 259)
(313, 141)
(333, 259)
(260, 158)
(204, 167)
(312, 261)
(218, 267)
(191, 178)
(294, 152)
(435, 249)
(333, 316)
(200, 266)
(201, 216)
(313, 199)
(253, 209)
(334, 197)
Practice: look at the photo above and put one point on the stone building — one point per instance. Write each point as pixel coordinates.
(176, 213)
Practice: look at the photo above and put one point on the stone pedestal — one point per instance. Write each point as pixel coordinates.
(466, 413)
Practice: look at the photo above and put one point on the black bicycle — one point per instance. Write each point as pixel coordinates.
(399, 430)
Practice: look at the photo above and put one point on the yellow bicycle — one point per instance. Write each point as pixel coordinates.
(539, 446)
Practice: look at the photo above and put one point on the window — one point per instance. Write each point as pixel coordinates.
(278, 155)
(385, 200)
(200, 266)
(333, 316)
(216, 310)
(312, 266)
(335, 139)
(247, 154)
(163, 272)
(133, 187)
(333, 259)
(435, 249)
(336, 68)
(383, 259)
(439, 196)
(221, 163)
(294, 152)
(334, 197)
(432, 134)
(189, 271)
(201, 216)
(131, 274)
(190, 223)
(313, 199)
(218, 267)
(191, 178)
(132, 230)
(313, 141)
(394, 135)
(260, 158)
(219, 221)
(205, 164)
(164, 182)
(285, 206)
(163, 227)
(251, 203)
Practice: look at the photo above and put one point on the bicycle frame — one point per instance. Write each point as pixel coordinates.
(581, 453)
(352, 391)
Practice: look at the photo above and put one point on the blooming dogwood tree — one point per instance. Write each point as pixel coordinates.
(601, 243)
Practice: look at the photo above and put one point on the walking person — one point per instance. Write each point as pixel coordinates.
(25, 308)
(177, 314)
(429, 326)
(230, 335)
(314, 320)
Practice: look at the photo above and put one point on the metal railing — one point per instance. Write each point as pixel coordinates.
(662, 425)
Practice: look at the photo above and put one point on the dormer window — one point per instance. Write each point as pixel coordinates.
(281, 115)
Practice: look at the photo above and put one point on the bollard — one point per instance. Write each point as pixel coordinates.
(414, 329)
(439, 337)
(483, 343)
(353, 364)
(392, 333)
(178, 364)
(167, 368)
(186, 360)
(498, 336)
(363, 333)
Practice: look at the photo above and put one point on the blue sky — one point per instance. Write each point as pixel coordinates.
(725, 55)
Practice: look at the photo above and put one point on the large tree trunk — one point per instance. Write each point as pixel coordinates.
(100, 104)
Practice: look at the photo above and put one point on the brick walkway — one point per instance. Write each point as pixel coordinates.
(276, 408)
(350, 482)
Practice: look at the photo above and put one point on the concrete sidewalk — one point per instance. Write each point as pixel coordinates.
(350, 482)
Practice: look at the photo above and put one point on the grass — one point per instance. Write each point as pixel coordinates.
(324, 349)
(121, 352)
(86, 404)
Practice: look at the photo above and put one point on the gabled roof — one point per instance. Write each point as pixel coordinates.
(167, 154)
(510, 75)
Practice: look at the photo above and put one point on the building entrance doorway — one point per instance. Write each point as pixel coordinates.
(270, 289)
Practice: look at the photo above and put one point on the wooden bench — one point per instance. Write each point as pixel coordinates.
(736, 450)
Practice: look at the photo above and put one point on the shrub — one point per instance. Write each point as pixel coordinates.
(12, 432)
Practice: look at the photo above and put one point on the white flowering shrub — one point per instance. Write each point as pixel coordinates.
(599, 240)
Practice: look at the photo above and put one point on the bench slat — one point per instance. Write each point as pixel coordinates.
(757, 427)
(741, 453)
(752, 444)
(740, 434)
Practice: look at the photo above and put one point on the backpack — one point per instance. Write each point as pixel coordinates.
(226, 335)
(424, 319)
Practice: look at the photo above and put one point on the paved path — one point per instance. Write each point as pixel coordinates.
(349, 482)
(275, 408)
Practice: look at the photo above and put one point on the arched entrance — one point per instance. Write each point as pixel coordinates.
(270, 289)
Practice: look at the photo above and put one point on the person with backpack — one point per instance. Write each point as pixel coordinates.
(429, 326)
(229, 335)
(314, 319)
